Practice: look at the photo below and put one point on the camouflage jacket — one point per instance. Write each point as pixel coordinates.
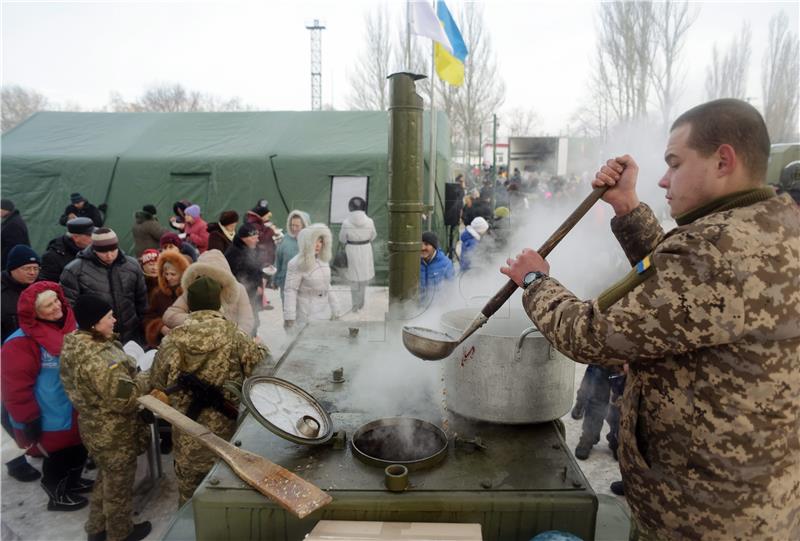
(102, 382)
(212, 348)
(710, 324)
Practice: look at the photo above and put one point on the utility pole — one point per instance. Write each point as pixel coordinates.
(316, 64)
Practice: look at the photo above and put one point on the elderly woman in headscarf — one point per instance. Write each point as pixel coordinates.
(170, 267)
(307, 291)
(44, 421)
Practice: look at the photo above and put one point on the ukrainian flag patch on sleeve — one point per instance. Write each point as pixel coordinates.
(643, 265)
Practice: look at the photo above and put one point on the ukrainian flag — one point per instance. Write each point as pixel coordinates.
(450, 67)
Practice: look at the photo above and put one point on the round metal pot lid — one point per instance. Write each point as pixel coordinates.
(287, 410)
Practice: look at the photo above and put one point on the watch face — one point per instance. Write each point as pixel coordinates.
(531, 277)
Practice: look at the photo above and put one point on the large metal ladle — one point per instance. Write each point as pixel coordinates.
(434, 346)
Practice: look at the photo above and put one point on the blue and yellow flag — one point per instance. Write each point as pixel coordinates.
(450, 67)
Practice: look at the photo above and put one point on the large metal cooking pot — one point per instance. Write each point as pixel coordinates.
(405, 441)
(506, 372)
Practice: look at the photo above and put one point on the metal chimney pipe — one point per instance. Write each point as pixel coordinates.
(405, 191)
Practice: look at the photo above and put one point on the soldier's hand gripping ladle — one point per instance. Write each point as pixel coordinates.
(433, 345)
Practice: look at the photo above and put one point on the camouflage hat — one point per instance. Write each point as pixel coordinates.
(204, 294)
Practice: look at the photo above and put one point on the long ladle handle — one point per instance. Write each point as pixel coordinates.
(507, 290)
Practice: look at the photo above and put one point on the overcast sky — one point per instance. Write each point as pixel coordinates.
(79, 52)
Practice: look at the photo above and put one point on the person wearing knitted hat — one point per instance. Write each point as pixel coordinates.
(242, 258)
(196, 228)
(103, 269)
(146, 230)
(13, 230)
(79, 207)
(235, 303)
(45, 422)
(148, 261)
(24, 272)
(195, 361)
(65, 248)
(22, 269)
(103, 383)
(221, 232)
(171, 241)
(469, 241)
(434, 267)
(260, 217)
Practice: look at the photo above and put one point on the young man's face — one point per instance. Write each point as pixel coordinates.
(107, 257)
(690, 179)
(428, 251)
(79, 204)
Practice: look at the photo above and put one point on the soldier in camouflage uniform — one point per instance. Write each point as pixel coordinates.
(709, 321)
(102, 382)
(193, 363)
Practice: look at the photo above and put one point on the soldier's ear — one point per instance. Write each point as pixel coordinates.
(727, 160)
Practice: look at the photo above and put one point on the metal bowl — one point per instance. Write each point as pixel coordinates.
(412, 443)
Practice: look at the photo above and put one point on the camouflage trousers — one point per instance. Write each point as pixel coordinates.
(193, 461)
(111, 507)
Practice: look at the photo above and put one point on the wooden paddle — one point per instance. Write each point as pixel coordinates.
(275, 482)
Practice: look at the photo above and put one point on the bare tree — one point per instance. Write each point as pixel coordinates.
(520, 121)
(18, 104)
(368, 85)
(483, 91)
(626, 50)
(672, 22)
(174, 98)
(590, 119)
(726, 77)
(780, 80)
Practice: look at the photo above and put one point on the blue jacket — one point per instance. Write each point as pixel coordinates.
(468, 244)
(432, 274)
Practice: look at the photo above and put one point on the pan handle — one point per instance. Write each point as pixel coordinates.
(507, 290)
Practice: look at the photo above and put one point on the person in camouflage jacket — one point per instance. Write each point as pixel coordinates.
(103, 384)
(212, 351)
(709, 321)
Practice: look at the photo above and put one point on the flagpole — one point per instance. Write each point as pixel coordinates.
(408, 36)
(432, 159)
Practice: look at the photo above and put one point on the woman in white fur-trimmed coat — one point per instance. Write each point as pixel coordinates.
(307, 291)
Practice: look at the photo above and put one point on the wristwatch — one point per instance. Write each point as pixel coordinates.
(531, 277)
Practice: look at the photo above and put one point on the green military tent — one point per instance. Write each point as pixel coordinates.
(295, 160)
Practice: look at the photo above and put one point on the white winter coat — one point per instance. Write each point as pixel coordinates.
(358, 227)
(307, 291)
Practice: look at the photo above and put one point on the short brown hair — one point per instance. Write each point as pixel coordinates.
(732, 122)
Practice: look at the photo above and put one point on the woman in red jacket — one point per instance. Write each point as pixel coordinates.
(44, 421)
(196, 228)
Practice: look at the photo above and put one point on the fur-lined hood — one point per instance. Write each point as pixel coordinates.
(304, 217)
(305, 245)
(214, 265)
(177, 260)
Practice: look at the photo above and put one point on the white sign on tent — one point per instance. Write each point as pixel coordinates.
(342, 190)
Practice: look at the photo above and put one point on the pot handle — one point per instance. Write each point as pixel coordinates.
(235, 388)
(518, 349)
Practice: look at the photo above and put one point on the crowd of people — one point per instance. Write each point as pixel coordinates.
(192, 291)
(693, 355)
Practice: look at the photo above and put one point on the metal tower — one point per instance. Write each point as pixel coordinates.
(316, 64)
